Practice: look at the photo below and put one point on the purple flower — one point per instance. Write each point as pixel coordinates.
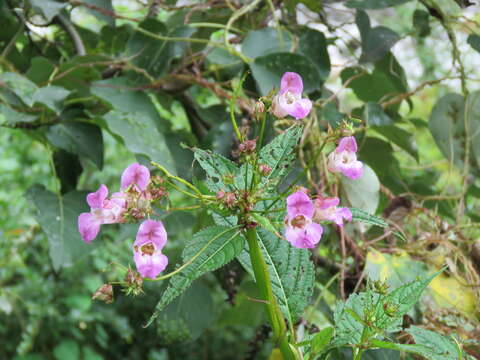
(102, 211)
(151, 238)
(136, 175)
(300, 230)
(289, 100)
(327, 209)
(344, 159)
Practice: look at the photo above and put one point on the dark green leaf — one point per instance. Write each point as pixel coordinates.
(266, 41)
(83, 139)
(379, 42)
(57, 215)
(322, 339)
(267, 71)
(103, 10)
(291, 272)
(212, 248)
(40, 70)
(67, 350)
(421, 22)
(313, 44)
(374, 4)
(52, 96)
(474, 41)
(375, 116)
(400, 137)
(68, 169)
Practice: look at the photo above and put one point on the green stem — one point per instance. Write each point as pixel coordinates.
(358, 354)
(264, 284)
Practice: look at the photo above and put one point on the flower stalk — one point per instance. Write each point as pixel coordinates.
(262, 278)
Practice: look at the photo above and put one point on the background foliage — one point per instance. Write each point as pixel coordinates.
(87, 87)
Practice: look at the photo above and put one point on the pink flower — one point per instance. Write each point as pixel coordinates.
(136, 175)
(151, 238)
(102, 211)
(289, 100)
(344, 159)
(300, 230)
(327, 209)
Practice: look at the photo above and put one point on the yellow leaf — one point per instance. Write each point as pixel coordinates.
(448, 291)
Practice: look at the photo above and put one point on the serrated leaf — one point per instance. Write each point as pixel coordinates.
(220, 170)
(365, 217)
(210, 249)
(279, 154)
(322, 339)
(57, 215)
(291, 272)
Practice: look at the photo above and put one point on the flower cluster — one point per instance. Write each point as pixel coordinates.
(134, 201)
(344, 159)
(302, 228)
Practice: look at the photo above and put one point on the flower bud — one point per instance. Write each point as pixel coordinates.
(264, 169)
(259, 108)
(380, 287)
(390, 309)
(247, 147)
(133, 282)
(104, 293)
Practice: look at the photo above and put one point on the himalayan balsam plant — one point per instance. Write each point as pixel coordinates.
(270, 232)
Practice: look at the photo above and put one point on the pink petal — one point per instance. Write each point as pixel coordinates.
(88, 226)
(304, 238)
(299, 203)
(343, 213)
(151, 231)
(149, 266)
(277, 108)
(301, 108)
(135, 174)
(354, 171)
(291, 82)
(326, 203)
(347, 144)
(95, 199)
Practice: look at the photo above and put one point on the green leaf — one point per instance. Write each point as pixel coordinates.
(322, 339)
(220, 171)
(279, 154)
(400, 137)
(155, 55)
(403, 299)
(265, 223)
(428, 344)
(268, 70)
(57, 215)
(137, 122)
(447, 127)
(365, 217)
(374, 4)
(375, 116)
(68, 169)
(48, 8)
(103, 11)
(266, 41)
(67, 350)
(474, 41)
(472, 111)
(313, 44)
(210, 249)
(421, 22)
(10, 116)
(52, 96)
(21, 86)
(83, 139)
(188, 315)
(394, 269)
(40, 70)
(291, 272)
(362, 193)
(78, 73)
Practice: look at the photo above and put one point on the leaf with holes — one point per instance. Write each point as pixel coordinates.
(208, 250)
(220, 171)
(279, 154)
(291, 272)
